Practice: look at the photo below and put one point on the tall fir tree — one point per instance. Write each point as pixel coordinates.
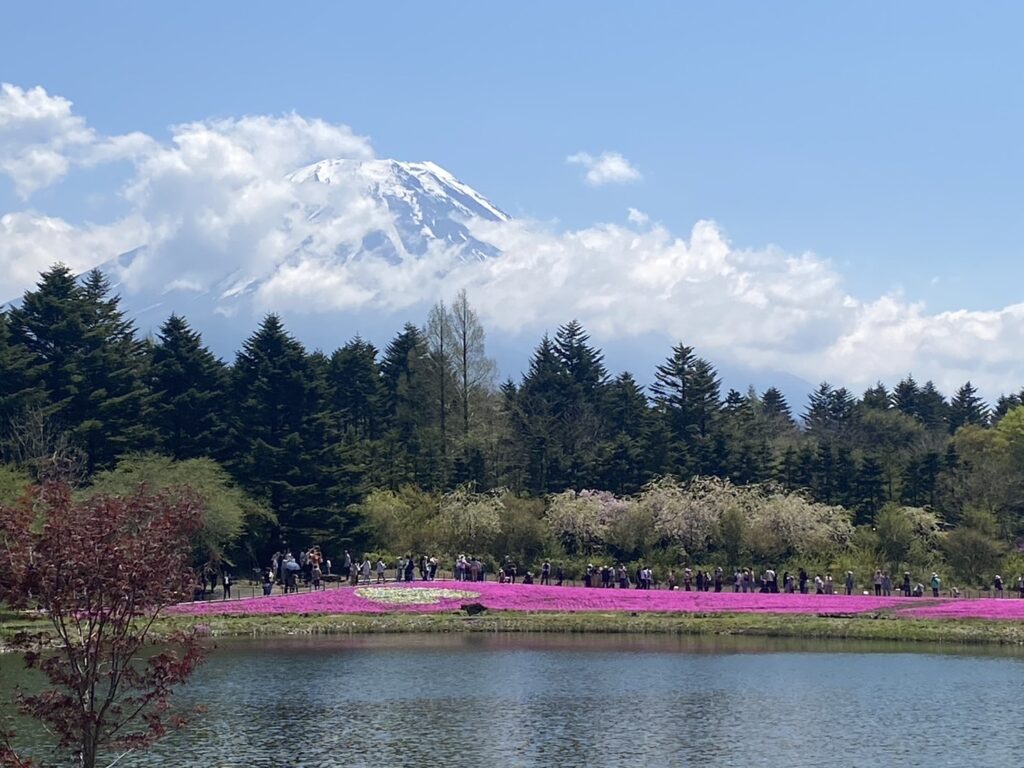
(274, 403)
(686, 397)
(967, 407)
(537, 419)
(187, 409)
(356, 390)
(411, 441)
(19, 387)
(579, 398)
(89, 362)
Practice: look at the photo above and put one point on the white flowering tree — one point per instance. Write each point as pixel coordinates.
(689, 514)
(581, 520)
(780, 525)
(468, 521)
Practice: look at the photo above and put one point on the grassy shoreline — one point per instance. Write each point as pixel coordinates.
(880, 627)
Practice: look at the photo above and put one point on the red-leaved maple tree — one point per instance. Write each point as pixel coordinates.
(99, 571)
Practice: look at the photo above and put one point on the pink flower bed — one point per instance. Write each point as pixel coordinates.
(994, 610)
(534, 598)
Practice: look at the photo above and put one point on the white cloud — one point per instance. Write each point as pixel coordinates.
(639, 218)
(216, 211)
(40, 139)
(607, 168)
(31, 242)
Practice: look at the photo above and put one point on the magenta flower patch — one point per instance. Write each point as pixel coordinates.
(991, 609)
(448, 596)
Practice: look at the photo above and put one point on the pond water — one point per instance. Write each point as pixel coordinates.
(524, 700)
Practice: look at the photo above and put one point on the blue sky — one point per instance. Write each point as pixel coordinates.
(883, 138)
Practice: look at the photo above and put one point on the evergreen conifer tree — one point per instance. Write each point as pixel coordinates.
(274, 403)
(967, 407)
(187, 408)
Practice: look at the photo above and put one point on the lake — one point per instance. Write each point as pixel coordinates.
(562, 700)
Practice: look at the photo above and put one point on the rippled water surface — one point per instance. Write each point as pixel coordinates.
(574, 701)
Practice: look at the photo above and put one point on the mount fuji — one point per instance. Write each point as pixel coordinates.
(345, 236)
(341, 213)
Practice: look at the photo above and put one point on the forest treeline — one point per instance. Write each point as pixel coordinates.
(310, 436)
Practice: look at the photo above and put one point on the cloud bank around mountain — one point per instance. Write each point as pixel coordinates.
(215, 198)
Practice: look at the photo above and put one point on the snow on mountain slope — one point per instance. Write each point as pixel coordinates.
(325, 216)
(427, 202)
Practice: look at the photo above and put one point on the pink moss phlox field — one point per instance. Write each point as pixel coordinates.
(1010, 609)
(535, 598)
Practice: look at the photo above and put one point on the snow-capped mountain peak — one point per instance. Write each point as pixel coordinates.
(339, 213)
(408, 182)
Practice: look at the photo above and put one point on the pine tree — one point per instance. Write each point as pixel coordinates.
(830, 413)
(777, 414)
(186, 411)
(1005, 404)
(686, 396)
(786, 471)
(824, 483)
(411, 445)
(869, 490)
(905, 397)
(19, 390)
(88, 360)
(356, 391)
(627, 420)
(274, 405)
(579, 395)
(932, 408)
(538, 418)
(877, 398)
(967, 407)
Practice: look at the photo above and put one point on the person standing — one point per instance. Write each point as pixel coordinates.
(346, 568)
(997, 584)
(802, 578)
(381, 568)
(886, 584)
(878, 582)
(906, 583)
(545, 574)
(227, 585)
(936, 584)
(849, 582)
(366, 567)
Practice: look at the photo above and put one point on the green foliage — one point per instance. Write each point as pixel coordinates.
(227, 511)
(400, 520)
(468, 522)
(906, 535)
(188, 394)
(310, 435)
(973, 556)
(13, 484)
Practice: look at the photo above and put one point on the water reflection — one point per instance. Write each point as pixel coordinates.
(563, 700)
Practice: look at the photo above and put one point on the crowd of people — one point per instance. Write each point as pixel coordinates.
(311, 569)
